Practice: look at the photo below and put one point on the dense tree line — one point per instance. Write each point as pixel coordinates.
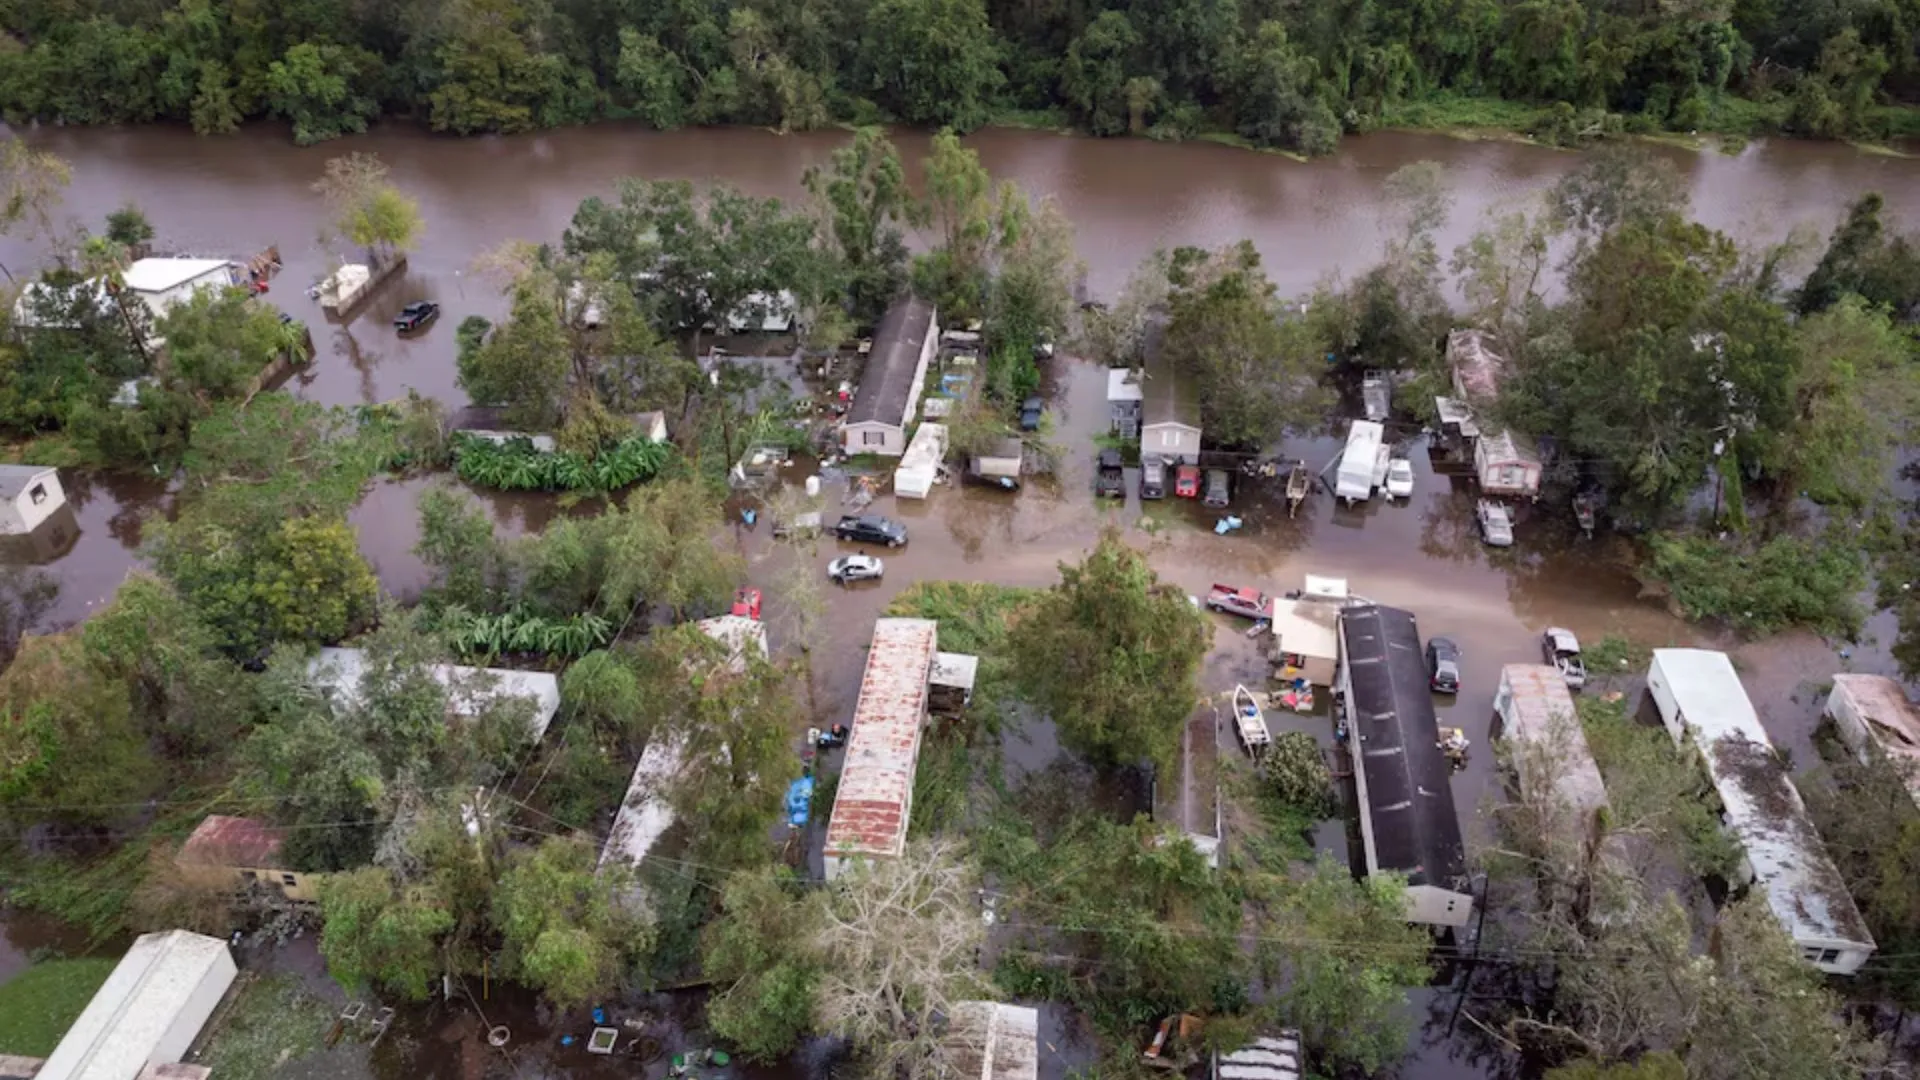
(1278, 75)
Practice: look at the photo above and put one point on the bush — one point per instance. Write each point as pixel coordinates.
(1297, 772)
(1788, 581)
(516, 466)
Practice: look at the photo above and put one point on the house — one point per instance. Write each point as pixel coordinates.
(1506, 464)
(1123, 402)
(148, 1012)
(242, 853)
(470, 691)
(1701, 701)
(889, 394)
(920, 465)
(29, 495)
(874, 799)
(988, 1040)
(1408, 823)
(1306, 638)
(1278, 1056)
(1169, 414)
(160, 283)
(1872, 715)
(645, 815)
(1478, 369)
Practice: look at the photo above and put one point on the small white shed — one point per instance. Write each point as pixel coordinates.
(149, 1010)
(162, 282)
(29, 495)
(1506, 464)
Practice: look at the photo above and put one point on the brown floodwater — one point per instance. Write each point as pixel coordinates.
(236, 195)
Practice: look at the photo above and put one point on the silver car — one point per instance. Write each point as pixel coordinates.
(850, 568)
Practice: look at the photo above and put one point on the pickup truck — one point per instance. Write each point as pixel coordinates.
(1247, 603)
(1110, 475)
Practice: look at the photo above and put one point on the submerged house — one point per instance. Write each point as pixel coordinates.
(1504, 463)
(243, 853)
(29, 495)
(1702, 703)
(874, 799)
(896, 371)
(1408, 823)
(1873, 715)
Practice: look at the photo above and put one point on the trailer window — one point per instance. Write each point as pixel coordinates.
(873, 438)
(1821, 956)
(38, 494)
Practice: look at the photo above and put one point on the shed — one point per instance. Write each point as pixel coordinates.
(243, 853)
(1873, 715)
(161, 283)
(890, 387)
(1169, 414)
(764, 313)
(950, 685)
(1278, 1056)
(1506, 464)
(148, 1012)
(470, 691)
(1478, 367)
(1407, 819)
(1003, 461)
(1306, 637)
(988, 1040)
(29, 495)
(920, 465)
(874, 799)
(1456, 417)
(1701, 701)
(651, 424)
(1354, 480)
(1123, 402)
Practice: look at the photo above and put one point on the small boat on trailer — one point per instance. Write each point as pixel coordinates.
(1249, 721)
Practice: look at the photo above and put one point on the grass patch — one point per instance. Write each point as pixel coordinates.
(92, 894)
(1452, 113)
(1654, 787)
(941, 782)
(273, 1021)
(1048, 119)
(41, 1003)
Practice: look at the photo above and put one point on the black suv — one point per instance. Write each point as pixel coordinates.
(871, 530)
(1110, 475)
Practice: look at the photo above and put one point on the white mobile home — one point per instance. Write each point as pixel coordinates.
(1506, 464)
(337, 673)
(1354, 479)
(920, 465)
(992, 1041)
(162, 283)
(1874, 716)
(29, 495)
(148, 1012)
(1702, 703)
(896, 372)
(874, 800)
(1169, 415)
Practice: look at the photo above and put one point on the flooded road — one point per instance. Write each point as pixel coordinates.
(234, 196)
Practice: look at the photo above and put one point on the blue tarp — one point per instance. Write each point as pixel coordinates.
(799, 801)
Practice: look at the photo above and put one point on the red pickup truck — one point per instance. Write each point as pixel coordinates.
(1248, 603)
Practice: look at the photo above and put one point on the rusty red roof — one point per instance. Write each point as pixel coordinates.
(234, 841)
(875, 793)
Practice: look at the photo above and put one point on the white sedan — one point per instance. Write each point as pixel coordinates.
(1399, 478)
(850, 568)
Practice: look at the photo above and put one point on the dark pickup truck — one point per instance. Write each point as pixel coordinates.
(868, 529)
(1110, 475)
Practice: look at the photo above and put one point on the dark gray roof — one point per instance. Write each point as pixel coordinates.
(1166, 395)
(1409, 792)
(887, 384)
(15, 478)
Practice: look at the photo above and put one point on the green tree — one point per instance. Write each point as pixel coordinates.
(319, 87)
(759, 952)
(654, 77)
(379, 933)
(183, 691)
(563, 930)
(492, 78)
(129, 227)
(368, 209)
(219, 341)
(1110, 654)
(70, 749)
(1276, 97)
(863, 196)
(933, 63)
(1864, 257)
(1655, 1066)
(1096, 78)
(523, 365)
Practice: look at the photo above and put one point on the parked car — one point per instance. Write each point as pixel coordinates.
(1110, 475)
(1496, 523)
(746, 603)
(1153, 478)
(850, 568)
(870, 529)
(1186, 481)
(1219, 489)
(1562, 650)
(1030, 411)
(1399, 478)
(1233, 600)
(1443, 665)
(416, 315)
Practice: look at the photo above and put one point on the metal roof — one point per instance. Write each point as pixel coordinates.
(233, 842)
(15, 479)
(1308, 628)
(1890, 719)
(875, 793)
(1269, 1057)
(1123, 384)
(469, 690)
(740, 635)
(160, 274)
(139, 1010)
(1760, 804)
(992, 1041)
(886, 386)
(954, 669)
(1542, 715)
(1404, 781)
(1504, 447)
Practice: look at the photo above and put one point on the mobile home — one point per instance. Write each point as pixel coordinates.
(874, 799)
(1506, 464)
(920, 465)
(890, 386)
(149, 1011)
(1354, 480)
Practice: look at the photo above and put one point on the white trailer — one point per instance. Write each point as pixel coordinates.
(1354, 481)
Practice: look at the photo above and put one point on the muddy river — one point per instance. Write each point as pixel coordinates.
(234, 196)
